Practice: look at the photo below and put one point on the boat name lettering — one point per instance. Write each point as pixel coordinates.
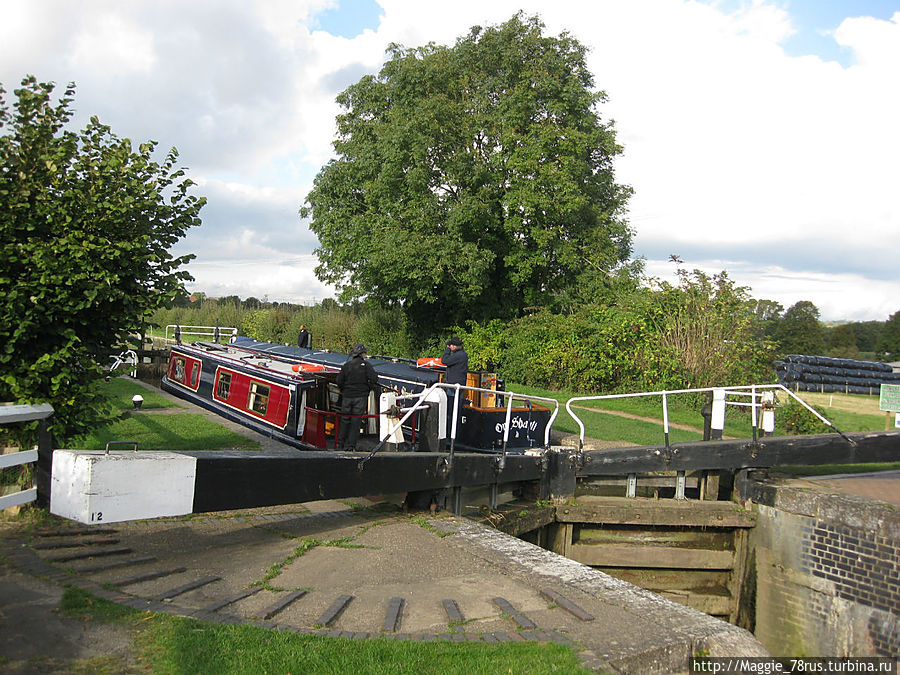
(517, 423)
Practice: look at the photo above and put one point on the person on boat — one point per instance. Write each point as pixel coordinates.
(457, 362)
(304, 339)
(356, 379)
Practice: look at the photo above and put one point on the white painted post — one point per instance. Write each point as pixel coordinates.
(387, 423)
(679, 485)
(768, 412)
(717, 421)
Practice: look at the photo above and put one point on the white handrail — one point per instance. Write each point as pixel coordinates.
(129, 358)
(421, 399)
(740, 390)
(197, 330)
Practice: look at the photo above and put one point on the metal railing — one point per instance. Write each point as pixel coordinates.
(759, 399)
(319, 436)
(10, 414)
(421, 402)
(215, 332)
(128, 358)
(753, 391)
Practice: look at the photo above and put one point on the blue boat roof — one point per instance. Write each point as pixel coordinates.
(395, 369)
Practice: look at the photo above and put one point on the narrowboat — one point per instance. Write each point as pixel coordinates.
(290, 394)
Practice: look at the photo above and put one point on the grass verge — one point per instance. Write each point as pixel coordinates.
(172, 645)
(173, 432)
(603, 419)
(121, 390)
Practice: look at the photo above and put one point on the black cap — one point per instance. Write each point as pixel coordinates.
(455, 341)
(358, 349)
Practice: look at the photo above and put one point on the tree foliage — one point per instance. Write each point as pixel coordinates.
(842, 342)
(472, 181)
(699, 332)
(799, 331)
(868, 334)
(767, 315)
(890, 336)
(86, 223)
(706, 332)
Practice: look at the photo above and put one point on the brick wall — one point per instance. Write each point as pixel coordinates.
(826, 570)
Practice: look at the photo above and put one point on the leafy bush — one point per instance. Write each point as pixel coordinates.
(86, 224)
(384, 332)
(697, 333)
(796, 420)
(705, 333)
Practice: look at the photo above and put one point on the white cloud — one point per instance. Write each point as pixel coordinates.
(837, 296)
(115, 44)
(736, 151)
(289, 280)
(876, 43)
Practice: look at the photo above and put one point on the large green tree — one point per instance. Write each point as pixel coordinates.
(472, 181)
(767, 314)
(890, 337)
(86, 223)
(799, 331)
(868, 334)
(842, 342)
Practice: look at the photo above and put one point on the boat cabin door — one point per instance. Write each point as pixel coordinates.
(480, 380)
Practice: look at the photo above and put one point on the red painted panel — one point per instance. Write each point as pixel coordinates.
(279, 400)
(189, 375)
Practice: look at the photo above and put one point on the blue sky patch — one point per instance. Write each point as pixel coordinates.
(349, 19)
(815, 20)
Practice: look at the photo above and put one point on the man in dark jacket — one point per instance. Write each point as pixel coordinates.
(304, 339)
(356, 379)
(457, 362)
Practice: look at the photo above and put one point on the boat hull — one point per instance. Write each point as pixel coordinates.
(290, 394)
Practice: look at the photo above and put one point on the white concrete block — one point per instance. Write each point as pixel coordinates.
(93, 487)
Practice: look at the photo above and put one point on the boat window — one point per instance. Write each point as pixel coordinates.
(259, 398)
(223, 386)
(195, 373)
(177, 370)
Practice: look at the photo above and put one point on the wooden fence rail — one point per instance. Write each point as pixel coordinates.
(11, 414)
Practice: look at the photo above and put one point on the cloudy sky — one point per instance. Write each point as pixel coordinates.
(761, 136)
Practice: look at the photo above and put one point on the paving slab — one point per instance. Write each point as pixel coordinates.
(883, 485)
(375, 556)
(36, 639)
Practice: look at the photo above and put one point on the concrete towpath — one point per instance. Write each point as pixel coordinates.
(882, 485)
(345, 570)
(349, 569)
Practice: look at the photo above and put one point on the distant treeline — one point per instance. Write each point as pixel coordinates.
(798, 330)
(697, 333)
(702, 332)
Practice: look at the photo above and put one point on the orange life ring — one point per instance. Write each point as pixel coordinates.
(307, 368)
(430, 362)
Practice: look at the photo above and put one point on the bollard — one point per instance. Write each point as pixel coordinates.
(560, 473)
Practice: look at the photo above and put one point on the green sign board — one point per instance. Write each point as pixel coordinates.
(890, 398)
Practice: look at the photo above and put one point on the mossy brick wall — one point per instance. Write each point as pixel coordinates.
(827, 573)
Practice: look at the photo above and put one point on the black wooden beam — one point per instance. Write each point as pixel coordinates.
(233, 480)
(733, 455)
